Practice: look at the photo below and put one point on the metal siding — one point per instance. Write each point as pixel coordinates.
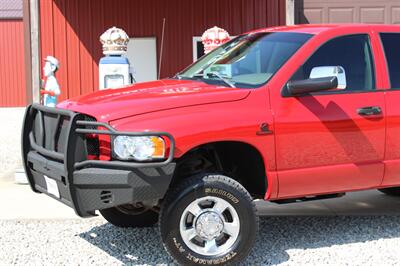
(12, 75)
(62, 46)
(73, 48)
(70, 30)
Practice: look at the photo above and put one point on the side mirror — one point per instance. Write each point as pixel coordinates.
(321, 78)
(298, 87)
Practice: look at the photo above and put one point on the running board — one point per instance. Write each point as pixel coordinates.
(309, 198)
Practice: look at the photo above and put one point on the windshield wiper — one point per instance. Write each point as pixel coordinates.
(226, 81)
(214, 74)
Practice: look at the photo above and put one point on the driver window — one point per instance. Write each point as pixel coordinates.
(352, 53)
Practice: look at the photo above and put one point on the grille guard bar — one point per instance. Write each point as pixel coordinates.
(112, 132)
(52, 143)
(77, 127)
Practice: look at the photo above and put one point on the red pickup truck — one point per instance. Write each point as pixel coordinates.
(282, 114)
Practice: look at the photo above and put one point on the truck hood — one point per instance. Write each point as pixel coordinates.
(140, 98)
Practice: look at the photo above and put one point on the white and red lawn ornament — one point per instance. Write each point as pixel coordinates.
(214, 37)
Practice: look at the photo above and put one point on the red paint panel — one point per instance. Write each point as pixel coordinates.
(12, 69)
(70, 30)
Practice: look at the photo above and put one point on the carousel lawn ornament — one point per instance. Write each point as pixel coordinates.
(114, 41)
(214, 37)
(51, 89)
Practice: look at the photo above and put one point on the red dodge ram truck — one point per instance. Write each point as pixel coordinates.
(282, 114)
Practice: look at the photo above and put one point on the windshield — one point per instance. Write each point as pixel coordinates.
(247, 61)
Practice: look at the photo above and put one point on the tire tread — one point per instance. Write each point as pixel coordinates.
(192, 181)
(120, 219)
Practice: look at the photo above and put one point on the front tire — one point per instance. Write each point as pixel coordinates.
(208, 220)
(129, 215)
(391, 191)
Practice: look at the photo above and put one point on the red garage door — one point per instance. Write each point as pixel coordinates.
(345, 11)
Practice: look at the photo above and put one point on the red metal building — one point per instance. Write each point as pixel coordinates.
(12, 75)
(70, 30)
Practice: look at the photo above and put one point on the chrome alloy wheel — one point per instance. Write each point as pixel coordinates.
(209, 226)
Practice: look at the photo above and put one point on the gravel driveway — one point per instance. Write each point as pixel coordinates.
(343, 240)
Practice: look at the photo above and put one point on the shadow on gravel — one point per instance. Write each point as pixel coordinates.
(276, 236)
(130, 246)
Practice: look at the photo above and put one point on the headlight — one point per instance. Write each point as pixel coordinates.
(139, 148)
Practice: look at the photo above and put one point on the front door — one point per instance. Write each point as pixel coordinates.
(332, 141)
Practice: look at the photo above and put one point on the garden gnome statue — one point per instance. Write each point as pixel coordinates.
(214, 37)
(51, 89)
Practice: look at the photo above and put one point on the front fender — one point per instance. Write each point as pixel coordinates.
(229, 121)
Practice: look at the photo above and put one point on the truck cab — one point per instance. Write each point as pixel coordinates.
(281, 114)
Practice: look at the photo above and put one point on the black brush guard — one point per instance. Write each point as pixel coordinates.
(54, 145)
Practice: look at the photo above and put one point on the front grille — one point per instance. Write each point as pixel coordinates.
(92, 140)
(92, 146)
(50, 131)
(90, 119)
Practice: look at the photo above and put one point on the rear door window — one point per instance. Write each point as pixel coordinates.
(391, 45)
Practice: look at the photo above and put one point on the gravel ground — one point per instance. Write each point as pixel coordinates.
(344, 240)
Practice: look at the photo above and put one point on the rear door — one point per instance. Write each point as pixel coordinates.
(325, 142)
(391, 61)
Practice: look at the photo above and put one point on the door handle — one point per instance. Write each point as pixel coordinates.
(370, 110)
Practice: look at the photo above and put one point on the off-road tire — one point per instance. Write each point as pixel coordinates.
(179, 197)
(391, 191)
(118, 218)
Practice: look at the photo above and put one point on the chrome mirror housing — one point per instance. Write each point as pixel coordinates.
(330, 71)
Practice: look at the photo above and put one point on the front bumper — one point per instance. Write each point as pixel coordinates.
(54, 147)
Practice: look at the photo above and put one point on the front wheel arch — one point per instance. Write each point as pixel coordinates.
(240, 160)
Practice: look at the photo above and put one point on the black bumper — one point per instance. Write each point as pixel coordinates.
(54, 147)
